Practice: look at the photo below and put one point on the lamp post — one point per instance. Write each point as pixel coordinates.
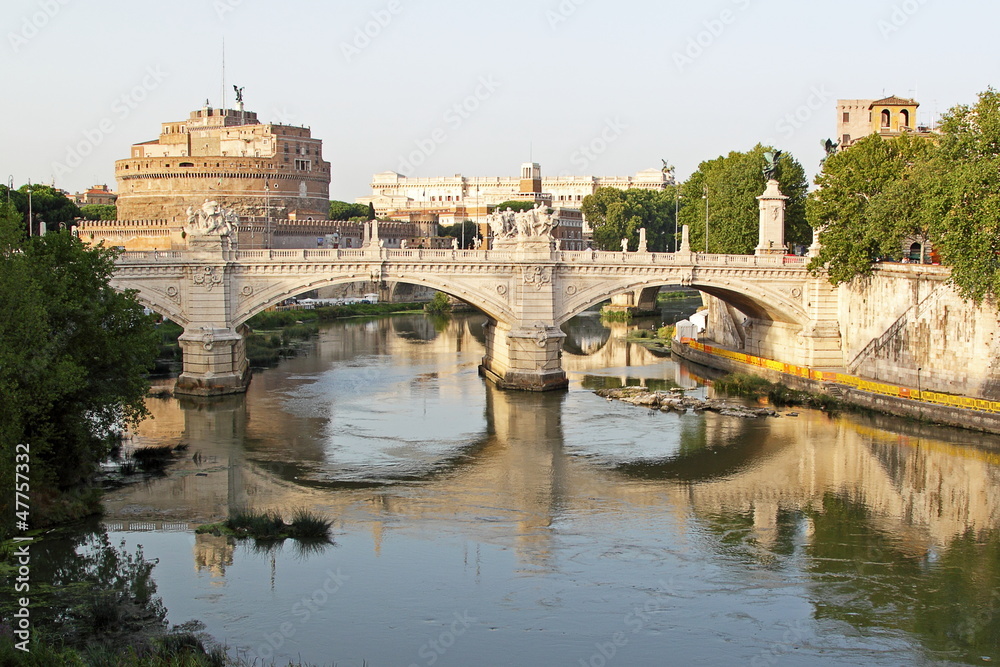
(705, 197)
(673, 244)
(31, 222)
(267, 212)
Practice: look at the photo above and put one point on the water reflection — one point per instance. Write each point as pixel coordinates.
(872, 523)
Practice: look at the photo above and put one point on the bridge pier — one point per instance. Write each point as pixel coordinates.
(215, 362)
(524, 358)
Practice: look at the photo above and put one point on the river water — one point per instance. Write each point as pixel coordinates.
(479, 527)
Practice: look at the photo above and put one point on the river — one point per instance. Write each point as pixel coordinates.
(480, 527)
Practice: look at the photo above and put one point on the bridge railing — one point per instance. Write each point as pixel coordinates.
(416, 254)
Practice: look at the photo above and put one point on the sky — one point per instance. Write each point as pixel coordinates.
(441, 87)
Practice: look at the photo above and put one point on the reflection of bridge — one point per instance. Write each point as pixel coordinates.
(528, 290)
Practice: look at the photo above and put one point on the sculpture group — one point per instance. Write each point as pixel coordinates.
(210, 219)
(535, 222)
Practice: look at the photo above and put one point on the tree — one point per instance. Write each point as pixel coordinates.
(616, 214)
(966, 231)
(467, 230)
(47, 205)
(99, 211)
(515, 205)
(342, 210)
(728, 187)
(871, 197)
(73, 357)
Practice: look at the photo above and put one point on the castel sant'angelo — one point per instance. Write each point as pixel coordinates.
(258, 170)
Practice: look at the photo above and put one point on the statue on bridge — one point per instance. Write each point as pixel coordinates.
(535, 223)
(210, 220)
(771, 165)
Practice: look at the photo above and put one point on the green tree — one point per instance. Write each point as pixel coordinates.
(515, 206)
(342, 210)
(466, 230)
(73, 357)
(728, 187)
(966, 230)
(870, 198)
(616, 214)
(99, 211)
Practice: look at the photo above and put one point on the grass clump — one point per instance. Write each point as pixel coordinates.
(616, 315)
(778, 394)
(309, 526)
(270, 526)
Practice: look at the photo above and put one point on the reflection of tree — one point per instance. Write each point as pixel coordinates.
(869, 579)
(88, 592)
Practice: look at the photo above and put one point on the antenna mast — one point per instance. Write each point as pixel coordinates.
(223, 73)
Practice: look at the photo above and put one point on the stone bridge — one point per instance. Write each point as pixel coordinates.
(527, 289)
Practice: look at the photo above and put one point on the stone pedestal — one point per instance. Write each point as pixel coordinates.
(772, 221)
(215, 362)
(524, 358)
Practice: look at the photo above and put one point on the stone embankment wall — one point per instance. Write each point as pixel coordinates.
(906, 325)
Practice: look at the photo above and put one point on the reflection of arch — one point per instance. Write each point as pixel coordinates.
(886, 118)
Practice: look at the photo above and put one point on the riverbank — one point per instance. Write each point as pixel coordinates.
(906, 404)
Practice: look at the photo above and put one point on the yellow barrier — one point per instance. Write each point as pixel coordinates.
(860, 384)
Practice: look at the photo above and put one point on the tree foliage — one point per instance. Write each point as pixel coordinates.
(470, 228)
(870, 198)
(47, 205)
(99, 211)
(729, 186)
(342, 210)
(616, 214)
(73, 355)
(881, 192)
(516, 206)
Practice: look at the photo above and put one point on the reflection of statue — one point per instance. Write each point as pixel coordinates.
(210, 219)
(771, 165)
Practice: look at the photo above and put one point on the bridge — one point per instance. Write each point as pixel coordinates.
(526, 287)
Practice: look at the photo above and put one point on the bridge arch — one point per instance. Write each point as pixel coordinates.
(160, 303)
(276, 293)
(754, 300)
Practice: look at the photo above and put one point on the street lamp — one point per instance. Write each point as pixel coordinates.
(705, 197)
(673, 243)
(30, 215)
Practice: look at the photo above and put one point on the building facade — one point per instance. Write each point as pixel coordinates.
(396, 195)
(261, 171)
(888, 117)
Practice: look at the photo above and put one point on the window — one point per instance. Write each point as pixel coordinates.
(303, 165)
(886, 116)
(904, 118)
(846, 141)
(847, 116)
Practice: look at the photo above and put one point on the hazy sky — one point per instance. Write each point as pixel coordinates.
(439, 87)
